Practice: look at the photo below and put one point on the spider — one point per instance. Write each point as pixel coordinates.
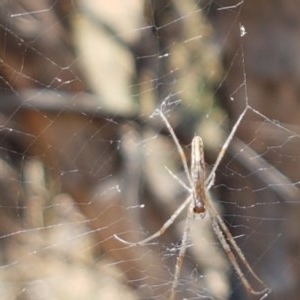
(199, 203)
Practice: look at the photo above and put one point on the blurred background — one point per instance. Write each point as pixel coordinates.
(83, 155)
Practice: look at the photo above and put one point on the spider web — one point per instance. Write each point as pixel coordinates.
(84, 157)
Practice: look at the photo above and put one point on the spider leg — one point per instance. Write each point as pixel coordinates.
(226, 239)
(183, 247)
(178, 146)
(162, 230)
(210, 183)
(226, 144)
(178, 180)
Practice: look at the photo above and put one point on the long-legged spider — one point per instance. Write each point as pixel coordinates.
(199, 203)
